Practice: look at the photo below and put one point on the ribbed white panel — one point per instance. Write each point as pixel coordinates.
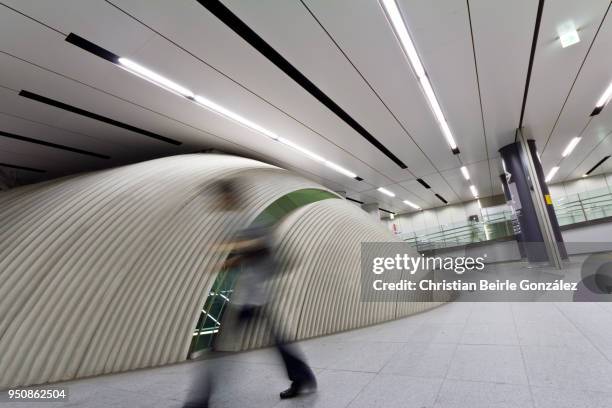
(320, 293)
(107, 271)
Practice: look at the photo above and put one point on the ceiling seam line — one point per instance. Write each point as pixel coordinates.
(583, 160)
(241, 29)
(66, 148)
(576, 78)
(8, 88)
(382, 101)
(590, 151)
(78, 134)
(248, 90)
(484, 130)
(156, 113)
(369, 86)
(384, 104)
(33, 19)
(534, 45)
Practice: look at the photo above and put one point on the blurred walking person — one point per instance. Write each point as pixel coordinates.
(252, 250)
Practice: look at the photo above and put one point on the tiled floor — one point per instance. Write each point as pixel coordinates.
(544, 355)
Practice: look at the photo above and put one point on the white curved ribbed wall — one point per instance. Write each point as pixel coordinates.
(320, 293)
(107, 271)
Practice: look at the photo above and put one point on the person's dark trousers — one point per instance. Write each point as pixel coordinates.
(297, 370)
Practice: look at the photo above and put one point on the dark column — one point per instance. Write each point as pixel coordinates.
(550, 210)
(516, 227)
(519, 187)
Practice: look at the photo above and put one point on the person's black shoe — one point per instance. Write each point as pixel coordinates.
(299, 389)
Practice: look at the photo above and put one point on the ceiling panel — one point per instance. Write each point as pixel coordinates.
(555, 67)
(290, 29)
(348, 49)
(188, 24)
(443, 39)
(377, 55)
(479, 176)
(503, 34)
(590, 84)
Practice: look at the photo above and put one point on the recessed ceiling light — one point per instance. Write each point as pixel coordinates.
(386, 192)
(603, 100)
(570, 146)
(340, 169)
(173, 87)
(301, 149)
(401, 31)
(568, 34)
(413, 205)
(465, 173)
(221, 110)
(551, 174)
(154, 77)
(474, 191)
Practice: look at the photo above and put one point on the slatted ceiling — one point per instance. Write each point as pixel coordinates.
(223, 91)
(502, 37)
(188, 24)
(604, 168)
(152, 50)
(425, 195)
(503, 34)
(479, 176)
(45, 46)
(592, 135)
(589, 159)
(593, 79)
(64, 90)
(42, 133)
(43, 157)
(329, 69)
(111, 26)
(56, 164)
(12, 104)
(377, 55)
(549, 87)
(441, 186)
(442, 36)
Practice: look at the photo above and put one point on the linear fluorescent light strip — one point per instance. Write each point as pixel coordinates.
(413, 205)
(551, 174)
(154, 77)
(474, 191)
(167, 84)
(401, 31)
(570, 146)
(465, 173)
(603, 100)
(386, 192)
